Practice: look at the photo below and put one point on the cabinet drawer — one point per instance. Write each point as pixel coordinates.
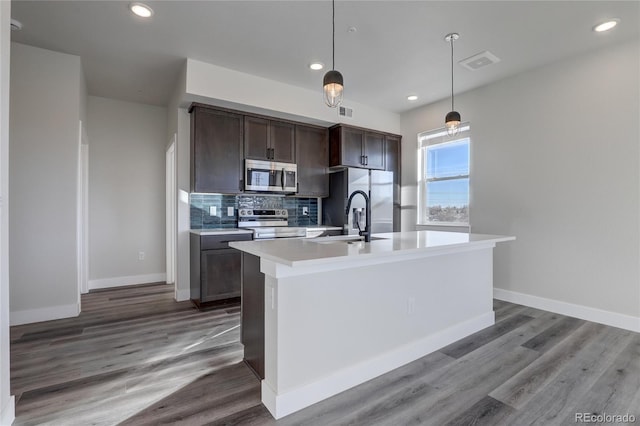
(215, 242)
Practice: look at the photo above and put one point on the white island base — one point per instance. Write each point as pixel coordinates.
(338, 314)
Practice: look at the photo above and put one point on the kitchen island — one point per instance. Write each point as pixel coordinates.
(338, 313)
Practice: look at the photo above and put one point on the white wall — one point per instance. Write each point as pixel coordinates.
(178, 124)
(44, 116)
(126, 192)
(555, 162)
(7, 405)
(233, 89)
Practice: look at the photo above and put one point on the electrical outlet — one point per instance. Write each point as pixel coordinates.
(305, 211)
(411, 305)
(213, 210)
(230, 211)
(140, 255)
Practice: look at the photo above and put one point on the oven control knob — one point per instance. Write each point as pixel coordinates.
(249, 212)
(242, 212)
(284, 212)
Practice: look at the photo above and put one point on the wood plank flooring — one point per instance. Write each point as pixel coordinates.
(136, 357)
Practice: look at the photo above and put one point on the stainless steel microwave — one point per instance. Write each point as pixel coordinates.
(270, 176)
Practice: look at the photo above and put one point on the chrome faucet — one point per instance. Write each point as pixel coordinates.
(367, 229)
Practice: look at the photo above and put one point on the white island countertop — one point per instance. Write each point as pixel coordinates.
(307, 252)
(383, 304)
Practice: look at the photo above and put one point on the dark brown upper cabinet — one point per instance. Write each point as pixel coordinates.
(312, 148)
(356, 147)
(269, 140)
(216, 150)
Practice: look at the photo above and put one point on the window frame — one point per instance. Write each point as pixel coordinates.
(425, 140)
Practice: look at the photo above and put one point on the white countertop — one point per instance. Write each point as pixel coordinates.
(304, 252)
(225, 231)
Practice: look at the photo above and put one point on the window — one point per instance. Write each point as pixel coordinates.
(443, 177)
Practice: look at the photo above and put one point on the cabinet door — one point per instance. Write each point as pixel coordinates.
(312, 149)
(220, 274)
(392, 164)
(374, 150)
(282, 141)
(256, 138)
(352, 141)
(216, 151)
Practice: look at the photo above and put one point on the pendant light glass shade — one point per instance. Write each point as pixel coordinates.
(452, 120)
(333, 83)
(333, 88)
(452, 123)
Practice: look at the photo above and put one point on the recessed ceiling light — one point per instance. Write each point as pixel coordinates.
(316, 66)
(412, 98)
(606, 26)
(141, 10)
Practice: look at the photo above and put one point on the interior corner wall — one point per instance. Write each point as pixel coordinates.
(555, 161)
(126, 192)
(7, 403)
(43, 154)
(178, 123)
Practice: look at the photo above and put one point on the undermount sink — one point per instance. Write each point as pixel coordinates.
(344, 239)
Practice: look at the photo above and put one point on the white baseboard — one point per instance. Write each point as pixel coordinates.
(8, 413)
(129, 280)
(43, 314)
(600, 316)
(283, 404)
(182, 295)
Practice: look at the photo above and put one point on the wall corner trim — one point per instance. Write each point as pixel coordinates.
(600, 316)
(43, 314)
(127, 280)
(182, 295)
(8, 413)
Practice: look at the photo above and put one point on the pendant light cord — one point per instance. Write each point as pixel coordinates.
(451, 73)
(333, 46)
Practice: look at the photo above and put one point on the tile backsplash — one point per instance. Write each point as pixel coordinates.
(201, 204)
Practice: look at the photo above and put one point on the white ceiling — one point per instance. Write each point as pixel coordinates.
(397, 50)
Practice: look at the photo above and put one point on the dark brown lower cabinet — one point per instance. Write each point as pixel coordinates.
(215, 269)
(252, 329)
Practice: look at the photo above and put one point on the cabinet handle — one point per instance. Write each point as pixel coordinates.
(283, 179)
(362, 160)
(366, 160)
(241, 185)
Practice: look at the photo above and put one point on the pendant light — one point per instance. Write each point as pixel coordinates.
(332, 81)
(452, 120)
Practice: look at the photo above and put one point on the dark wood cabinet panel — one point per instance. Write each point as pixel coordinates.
(216, 151)
(220, 274)
(282, 141)
(252, 328)
(356, 147)
(312, 149)
(269, 140)
(392, 163)
(216, 269)
(374, 150)
(352, 141)
(256, 138)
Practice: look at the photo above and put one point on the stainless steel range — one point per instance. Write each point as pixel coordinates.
(269, 224)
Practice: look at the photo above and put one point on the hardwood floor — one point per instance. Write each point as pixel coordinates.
(136, 357)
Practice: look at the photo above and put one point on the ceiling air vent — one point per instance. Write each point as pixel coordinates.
(479, 60)
(344, 111)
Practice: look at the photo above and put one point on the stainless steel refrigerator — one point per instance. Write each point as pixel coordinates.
(377, 183)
